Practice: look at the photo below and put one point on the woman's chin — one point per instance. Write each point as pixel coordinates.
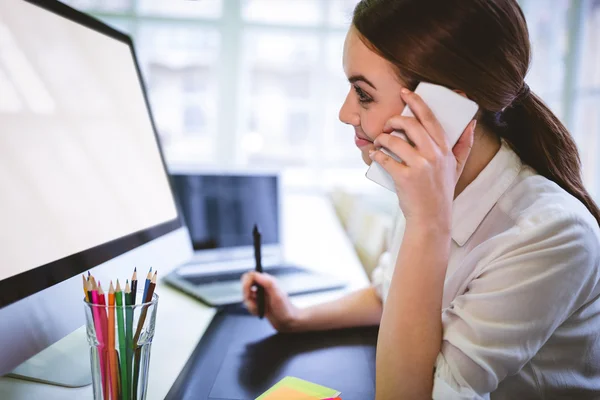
(365, 157)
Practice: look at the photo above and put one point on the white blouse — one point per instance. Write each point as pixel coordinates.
(521, 308)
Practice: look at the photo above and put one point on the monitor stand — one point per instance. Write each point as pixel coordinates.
(65, 363)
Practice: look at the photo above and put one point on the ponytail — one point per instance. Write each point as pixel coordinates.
(542, 142)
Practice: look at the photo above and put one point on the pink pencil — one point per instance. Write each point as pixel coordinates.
(100, 336)
(104, 322)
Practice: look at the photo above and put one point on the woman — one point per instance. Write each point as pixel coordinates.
(490, 287)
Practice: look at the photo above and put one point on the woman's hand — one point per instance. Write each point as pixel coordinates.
(426, 179)
(279, 310)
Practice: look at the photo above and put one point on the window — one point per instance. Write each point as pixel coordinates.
(180, 63)
(295, 13)
(548, 28)
(210, 9)
(251, 83)
(102, 6)
(278, 93)
(243, 82)
(586, 94)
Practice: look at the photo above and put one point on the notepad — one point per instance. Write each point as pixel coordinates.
(290, 388)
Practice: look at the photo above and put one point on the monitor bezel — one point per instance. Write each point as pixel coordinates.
(25, 284)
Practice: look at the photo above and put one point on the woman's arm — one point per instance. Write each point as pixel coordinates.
(360, 308)
(410, 335)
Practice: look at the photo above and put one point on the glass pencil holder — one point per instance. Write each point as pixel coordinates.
(120, 338)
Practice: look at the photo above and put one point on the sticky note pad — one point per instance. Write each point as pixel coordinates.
(290, 388)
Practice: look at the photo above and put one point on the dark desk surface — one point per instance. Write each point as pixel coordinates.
(239, 357)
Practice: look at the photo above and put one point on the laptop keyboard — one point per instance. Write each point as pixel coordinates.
(276, 271)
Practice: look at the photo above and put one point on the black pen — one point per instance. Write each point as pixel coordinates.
(260, 291)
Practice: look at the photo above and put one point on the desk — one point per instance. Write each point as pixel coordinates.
(313, 237)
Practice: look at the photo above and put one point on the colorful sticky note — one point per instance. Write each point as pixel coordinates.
(290, 388)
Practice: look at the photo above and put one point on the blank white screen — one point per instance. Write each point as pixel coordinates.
(79, 163)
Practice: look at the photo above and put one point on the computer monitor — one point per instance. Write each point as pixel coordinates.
(83, 180)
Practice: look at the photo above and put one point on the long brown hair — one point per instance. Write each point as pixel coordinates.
(480, 47)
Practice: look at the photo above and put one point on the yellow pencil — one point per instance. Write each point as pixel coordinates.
(85, 288)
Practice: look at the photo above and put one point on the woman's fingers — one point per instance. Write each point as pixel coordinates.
(247, 283)
(249, 279)
(414, 130)
(268, 282)
(251, 307)
(249, 293)
(393, 167)
(399, 147)
(426, 117)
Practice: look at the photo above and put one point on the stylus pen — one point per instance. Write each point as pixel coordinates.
(260, 291)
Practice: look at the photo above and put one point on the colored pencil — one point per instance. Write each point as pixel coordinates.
(120, 299)
(111, 343)
(118, 373)
(104, 326)
(136, 369)
(147, 299)
(102, 311)
(128, 338)
(88, 287)
(146, 284)
(133, 286)
(92, 285)
(100, 337)
(151, 287)
(85, 288)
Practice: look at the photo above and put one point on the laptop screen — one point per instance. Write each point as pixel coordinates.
(221, 210)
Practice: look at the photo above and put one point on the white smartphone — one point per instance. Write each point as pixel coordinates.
(453, 111)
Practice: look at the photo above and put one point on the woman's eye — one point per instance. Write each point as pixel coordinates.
(363, 97)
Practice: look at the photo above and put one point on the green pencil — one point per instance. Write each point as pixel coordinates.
(128, 338)
(122, 342)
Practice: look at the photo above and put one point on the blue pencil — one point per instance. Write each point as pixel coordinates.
(146, 285)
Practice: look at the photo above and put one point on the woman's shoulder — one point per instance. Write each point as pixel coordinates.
(546, 216)
(534, 201)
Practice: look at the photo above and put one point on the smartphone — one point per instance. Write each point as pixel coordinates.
(453, 111)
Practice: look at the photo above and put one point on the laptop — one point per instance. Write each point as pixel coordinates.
(220, 210)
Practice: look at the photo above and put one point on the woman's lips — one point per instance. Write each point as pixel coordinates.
(360, 142)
